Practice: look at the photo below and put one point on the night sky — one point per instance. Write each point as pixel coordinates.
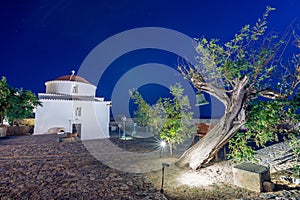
(44, 39)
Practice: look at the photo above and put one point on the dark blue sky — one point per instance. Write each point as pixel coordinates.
(44, 39)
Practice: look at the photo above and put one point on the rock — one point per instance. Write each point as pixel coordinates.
(113, 175)
(130, 183)
(267, 196)
(66, 139)
(58, 174)
(250, 176)
(116, 179)
(141, 193)
(282, 198)
(124, 187)
(268, 186)
(147, 181)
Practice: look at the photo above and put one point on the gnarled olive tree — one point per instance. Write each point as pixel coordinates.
(236, 73)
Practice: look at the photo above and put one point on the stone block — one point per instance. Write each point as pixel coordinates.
(251, 176)
(66, 139)
(3, 130)
(268, 186)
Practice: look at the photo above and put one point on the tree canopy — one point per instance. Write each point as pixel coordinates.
(170, 117)
(16, 104)
(248, 67)
(249, 56)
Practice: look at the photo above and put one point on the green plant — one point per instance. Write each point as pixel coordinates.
(170, 117)
(4, 94)
(294, 143)
(240, 151)
(16, 104)
(176, 126)
(142, 113)
(251, 66)
(265, 120)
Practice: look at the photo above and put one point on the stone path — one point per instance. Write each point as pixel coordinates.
(39, 167)
(141, 155)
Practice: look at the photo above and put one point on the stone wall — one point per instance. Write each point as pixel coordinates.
(19, 130)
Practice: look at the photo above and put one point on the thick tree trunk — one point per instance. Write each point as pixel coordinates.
(205, 149)
(234, 118)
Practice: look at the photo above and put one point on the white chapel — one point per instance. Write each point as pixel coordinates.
(70, 104)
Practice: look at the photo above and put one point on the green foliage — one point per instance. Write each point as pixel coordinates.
(176, 126)
(16, 104)
(265, 120)
(170, 117)
(4, 90)
(22, 104)
(295, 146)
(4, 94)
(239, 149)
(142, 112)
(248, 53)
(257, 56)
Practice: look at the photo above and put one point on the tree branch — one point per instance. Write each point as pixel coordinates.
(271, 94)
(211, 89)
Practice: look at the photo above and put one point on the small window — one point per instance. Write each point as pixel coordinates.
(78, 112)
(75, 89)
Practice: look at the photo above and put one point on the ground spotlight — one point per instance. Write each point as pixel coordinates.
(163, 176)
(163, 143)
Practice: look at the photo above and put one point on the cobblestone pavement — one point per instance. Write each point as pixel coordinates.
(40, 167)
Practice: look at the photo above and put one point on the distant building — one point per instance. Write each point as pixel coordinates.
(70, 104)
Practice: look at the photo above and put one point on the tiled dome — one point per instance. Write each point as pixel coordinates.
(72, 78)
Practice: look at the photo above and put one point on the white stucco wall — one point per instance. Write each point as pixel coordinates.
(94, 117)
(53, 113)
(66, 87)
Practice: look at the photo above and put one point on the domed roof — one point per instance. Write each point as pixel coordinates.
(72, 78)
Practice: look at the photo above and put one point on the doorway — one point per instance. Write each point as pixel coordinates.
(76, 128)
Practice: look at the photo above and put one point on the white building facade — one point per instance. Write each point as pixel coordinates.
(70, 104)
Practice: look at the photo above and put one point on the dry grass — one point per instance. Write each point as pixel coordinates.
(212, 182)
(175, 188)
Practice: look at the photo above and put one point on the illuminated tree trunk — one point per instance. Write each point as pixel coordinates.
(171, 148)
(234, 118)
